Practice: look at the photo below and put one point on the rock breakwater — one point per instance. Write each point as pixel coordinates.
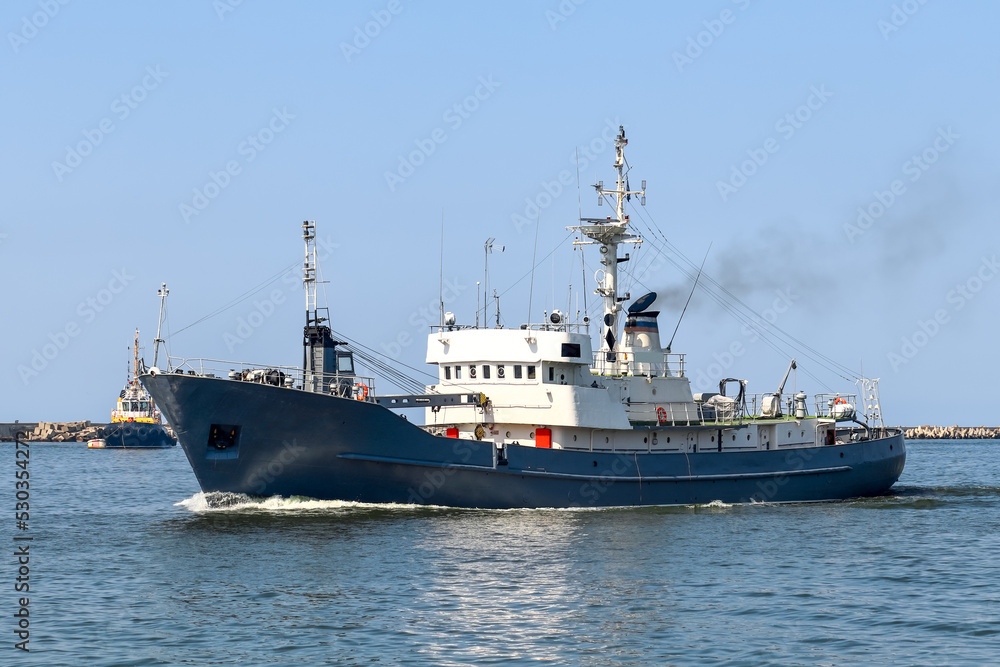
(952, 432)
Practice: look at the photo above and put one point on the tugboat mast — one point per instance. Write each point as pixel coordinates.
(135, 357)
(609, 233)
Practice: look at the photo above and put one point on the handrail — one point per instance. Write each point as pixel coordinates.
(341, 384)
(624, 363)
(542, 326)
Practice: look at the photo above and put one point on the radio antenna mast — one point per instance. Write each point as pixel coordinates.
(162, 293)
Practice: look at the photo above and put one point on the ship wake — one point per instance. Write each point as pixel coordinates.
(221, 501)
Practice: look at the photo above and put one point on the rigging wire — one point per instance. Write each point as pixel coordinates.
(243, 297)
(745, 320)
(374, 354)
(538, 263)
(748, 316)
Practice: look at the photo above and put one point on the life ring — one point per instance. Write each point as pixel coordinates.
(840, 401)
(362, 391)
(661, 415)
(131, 419)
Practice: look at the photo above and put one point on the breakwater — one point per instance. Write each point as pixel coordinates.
(56, 431)
(81, 431)
(951, 432)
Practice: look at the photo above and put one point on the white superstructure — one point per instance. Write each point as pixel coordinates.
(544, 386)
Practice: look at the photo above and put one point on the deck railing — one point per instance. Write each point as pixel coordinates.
(623, 363)
(340, 384)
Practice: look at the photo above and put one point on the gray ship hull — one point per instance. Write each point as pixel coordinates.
(264, 440)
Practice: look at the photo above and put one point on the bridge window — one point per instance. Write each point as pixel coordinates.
(345, 363)
(531, 372)
(517, 372)
(472, 371)
(501, 371)
(571, 349)
(486, 371)
(447, 372)
(552, 374)
(458, 372)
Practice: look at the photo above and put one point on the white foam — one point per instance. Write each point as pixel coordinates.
(216, 501)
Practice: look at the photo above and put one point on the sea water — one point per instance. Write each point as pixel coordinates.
(131, 565)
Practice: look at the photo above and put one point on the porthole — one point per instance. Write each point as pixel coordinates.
(668, 439)
(803, 434)
(734, 438)
(595, 464)
(713, 438)
(654, 441)
(645, 440)
(508, 434)
(574, 438)
(531, 435)
(607, 439)
(748, 436)
(789, 434)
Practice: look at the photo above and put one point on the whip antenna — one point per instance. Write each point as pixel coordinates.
(534, 252)
(700, 269)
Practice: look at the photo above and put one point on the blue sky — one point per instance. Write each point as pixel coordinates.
(185, 142)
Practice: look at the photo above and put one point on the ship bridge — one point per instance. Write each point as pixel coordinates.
(532, 376)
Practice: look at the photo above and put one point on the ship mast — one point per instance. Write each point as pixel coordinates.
(609, 233)
(309, 271)
(319, 354)
(135, 356)
(162, 293)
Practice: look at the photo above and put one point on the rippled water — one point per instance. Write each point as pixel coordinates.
(131, 565)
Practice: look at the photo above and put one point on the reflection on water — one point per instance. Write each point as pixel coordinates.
(159, 572)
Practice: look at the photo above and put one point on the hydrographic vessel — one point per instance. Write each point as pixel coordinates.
(524, 418)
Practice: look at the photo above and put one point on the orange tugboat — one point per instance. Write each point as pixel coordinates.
(136, 422)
